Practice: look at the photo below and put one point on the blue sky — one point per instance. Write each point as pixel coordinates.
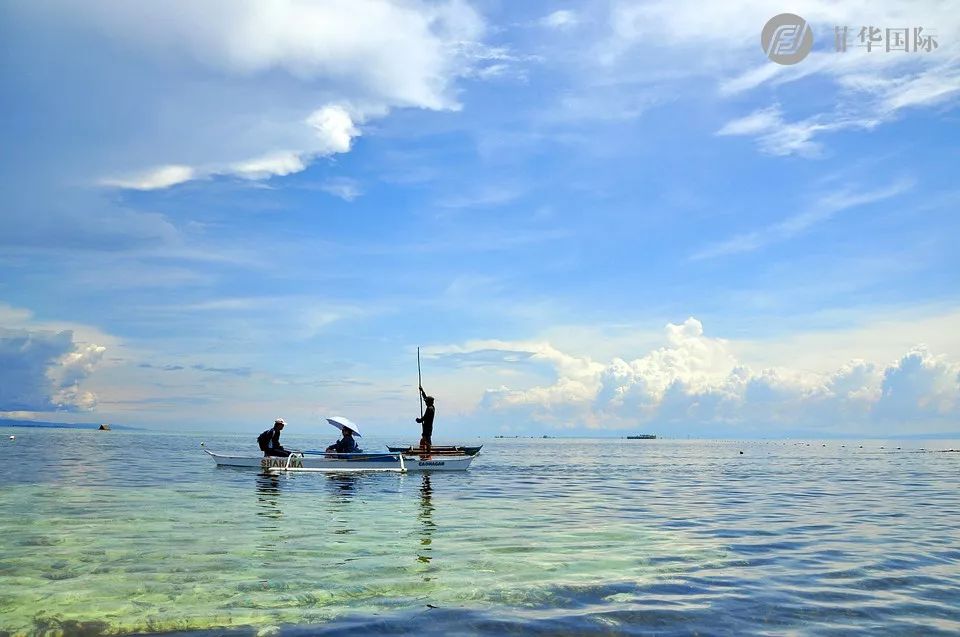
(594, 218)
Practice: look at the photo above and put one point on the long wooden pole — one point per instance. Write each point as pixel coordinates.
(419, 383)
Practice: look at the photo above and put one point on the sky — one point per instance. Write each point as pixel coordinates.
(593, 218)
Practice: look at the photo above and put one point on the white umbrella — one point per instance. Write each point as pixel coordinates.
(342, 423)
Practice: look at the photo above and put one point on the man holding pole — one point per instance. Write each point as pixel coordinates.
(426, 420)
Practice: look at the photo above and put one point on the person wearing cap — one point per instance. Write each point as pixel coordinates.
(347, 444)
(269, 440)
(427, 422)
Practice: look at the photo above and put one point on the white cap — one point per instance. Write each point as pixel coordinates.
(279, 421)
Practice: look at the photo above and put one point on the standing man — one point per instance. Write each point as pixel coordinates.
(269, 440)
(427, 422)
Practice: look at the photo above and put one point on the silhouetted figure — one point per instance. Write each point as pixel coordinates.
(269, 440)
(426, 434)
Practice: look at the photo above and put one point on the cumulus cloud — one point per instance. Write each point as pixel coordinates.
(393, 50)
(42, 371)
(696, 380)
(333, 127)
(921, 385)
(283, 83)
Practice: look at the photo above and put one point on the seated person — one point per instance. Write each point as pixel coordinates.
(269, 440)
(347, 444)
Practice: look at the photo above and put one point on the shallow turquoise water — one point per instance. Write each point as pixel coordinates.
(120, 532)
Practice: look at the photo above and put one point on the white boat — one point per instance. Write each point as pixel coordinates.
(324, 461)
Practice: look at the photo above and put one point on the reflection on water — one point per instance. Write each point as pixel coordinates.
(268, 495)
(343, 513)
(131, 533)
(269, 518)
(342, 486)
(425, 517)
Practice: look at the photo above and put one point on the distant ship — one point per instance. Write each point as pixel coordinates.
(642, 437)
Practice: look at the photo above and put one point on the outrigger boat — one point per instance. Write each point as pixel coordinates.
(439, 450)
(333, 462)
(330, 460)
(400, 460)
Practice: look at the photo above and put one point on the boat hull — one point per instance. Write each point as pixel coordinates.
(439, 450)
(345, 462)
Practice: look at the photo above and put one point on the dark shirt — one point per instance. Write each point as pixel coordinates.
(270, 439)
(346, 445)
(427, 420)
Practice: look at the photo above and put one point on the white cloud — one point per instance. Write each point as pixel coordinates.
(343, 187)
(42, 371)
(823, 209)
(283, 82)
(279, 164)
(736, 25)
(721, 40)
(775, 136)
(154, 178)
(14, 318)
(396, 52)
(882, 335)
(489, 195)
(334, 127)
(760, 121)
(334, 130)
(67, 373)
(923, 89)
(493, 71)
(920, 386)
(698, 381)
(74, 366)
(560, 19)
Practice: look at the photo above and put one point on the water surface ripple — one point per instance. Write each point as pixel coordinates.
(128, 533)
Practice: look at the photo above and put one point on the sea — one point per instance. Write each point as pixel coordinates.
(131, 532)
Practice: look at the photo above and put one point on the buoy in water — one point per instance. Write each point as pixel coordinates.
(13, 437)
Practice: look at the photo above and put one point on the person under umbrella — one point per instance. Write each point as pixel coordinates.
(346, 444)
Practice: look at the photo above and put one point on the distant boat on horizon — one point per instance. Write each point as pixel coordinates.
(642, 437)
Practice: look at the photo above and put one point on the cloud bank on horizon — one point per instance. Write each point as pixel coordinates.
(223, 211)
(696, 380)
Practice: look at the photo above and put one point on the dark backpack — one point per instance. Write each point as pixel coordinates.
(264, 439)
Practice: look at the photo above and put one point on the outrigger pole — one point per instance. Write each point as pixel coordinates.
(419, 383)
